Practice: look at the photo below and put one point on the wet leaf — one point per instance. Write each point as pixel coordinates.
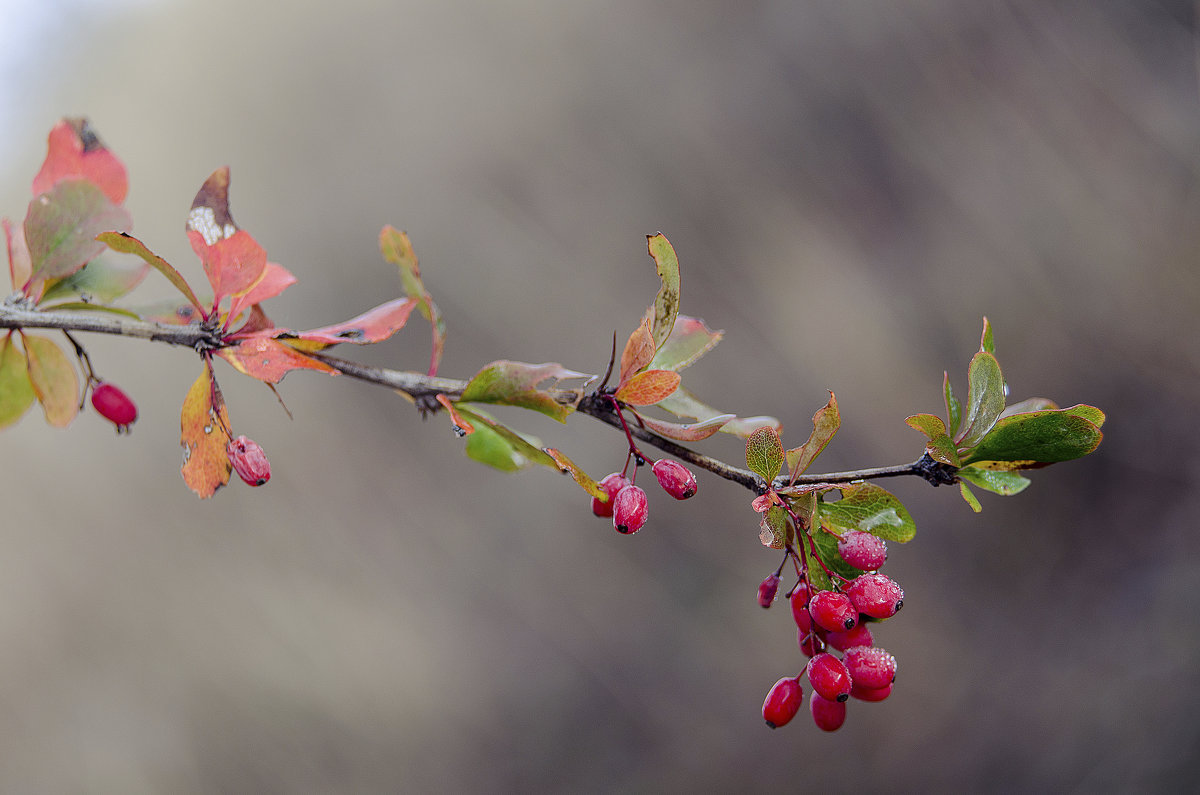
(1039, 437)
(689, 340)
(20, 267)
(969, 496)
(826, 422)
(54, 379)
(985, 400)
(259, 356)
(16, 391)
(867, 507)
(75, 151)
(101, 281)
(953, 407)
(62, 224)
(639, 351)
(683, 403)
(397, 249)
(648, 387)
(569, 467)
(764, 454)
(1000, 482)
(128, 244)
(774, 530)
(686, 432)
(204, 435)
(666, 303)
(517, 384)
(375, 325)
(1027, 405)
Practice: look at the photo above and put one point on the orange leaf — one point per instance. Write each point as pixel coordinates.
(639, 350)
(54, 380)
(269, 360)
(646, 389)
(461, 426)
(204, 435)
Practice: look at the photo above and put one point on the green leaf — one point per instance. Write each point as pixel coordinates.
(666, 303)
(100, 281)
(867, 507)
(397, 249)
(985, 400)
(683, 403)
(128, 244)
(1039, 437)
(583, 479)
(969, 497)
(810, 511)
(54, 379)
(689, 340)
(499, 446)
(516, 384)
(764, 454)
(774, 530)
(1000, 482)
(62, 224)
(825, 422)
(16, 391)
(941, 446)
(986, 343)
(953, 407)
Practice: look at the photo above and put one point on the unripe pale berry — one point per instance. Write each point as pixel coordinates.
(870, 666)
(114, 405)
(876, 595)
(675, 478)
(859, 636)
(767, 590)
(833, 611)
(862, 550)
(828, 715)
(611, 484)
(249, 461)
(782, 702)
(629, 510)
(829, 677)
(870, 693)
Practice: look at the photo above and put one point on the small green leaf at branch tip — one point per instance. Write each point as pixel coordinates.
(986, 343)
(516, 384)
(872, 509)
(764, 453)
(825, 422)
(666, 303)
(953, 407)
(969, 497)
(940, 447)
(16, 390)
(128, 244)
(998, 481)
(985, 401)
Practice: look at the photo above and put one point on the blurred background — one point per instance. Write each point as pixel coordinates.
(850, 186)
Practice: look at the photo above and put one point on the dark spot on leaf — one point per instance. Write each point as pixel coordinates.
(352, 334)
(87, 136)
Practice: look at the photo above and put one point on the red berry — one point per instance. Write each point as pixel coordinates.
(870, 693)
(782, 702)
(629, 510)
(871, 666)
(829, 677)
(114, 405)
(876, 595)
(675, 478)
(249, 461)
(767, 590)
(799, 600)
(859, 636)
(611, 485)
(828, 715)
(810, 643)
(862, 550)
(833, 611)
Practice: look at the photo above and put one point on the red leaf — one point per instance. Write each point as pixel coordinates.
(375, 325)
(233, 260)
(274, 280)
(75, 151)
(259, 356)
(204, 435)
(687, 432)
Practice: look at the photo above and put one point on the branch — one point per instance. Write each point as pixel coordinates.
(423, 390)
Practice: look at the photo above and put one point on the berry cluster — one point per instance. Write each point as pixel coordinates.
(627, 503)
(836, 620)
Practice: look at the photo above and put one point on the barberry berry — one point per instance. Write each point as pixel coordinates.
(829, 677)
(675, 478)
(870, 666)
(249, 461)
(876, 595)
(810, 643)
(629, 510)
(114, 405)
(833, 611)
(782, 702)
(859, 636)
(870, 693)
(799, 600)
(611, 484)
(828, 715)
(767, 590)
(862, 550)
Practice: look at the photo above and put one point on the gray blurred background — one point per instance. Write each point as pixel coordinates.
(850, 186)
